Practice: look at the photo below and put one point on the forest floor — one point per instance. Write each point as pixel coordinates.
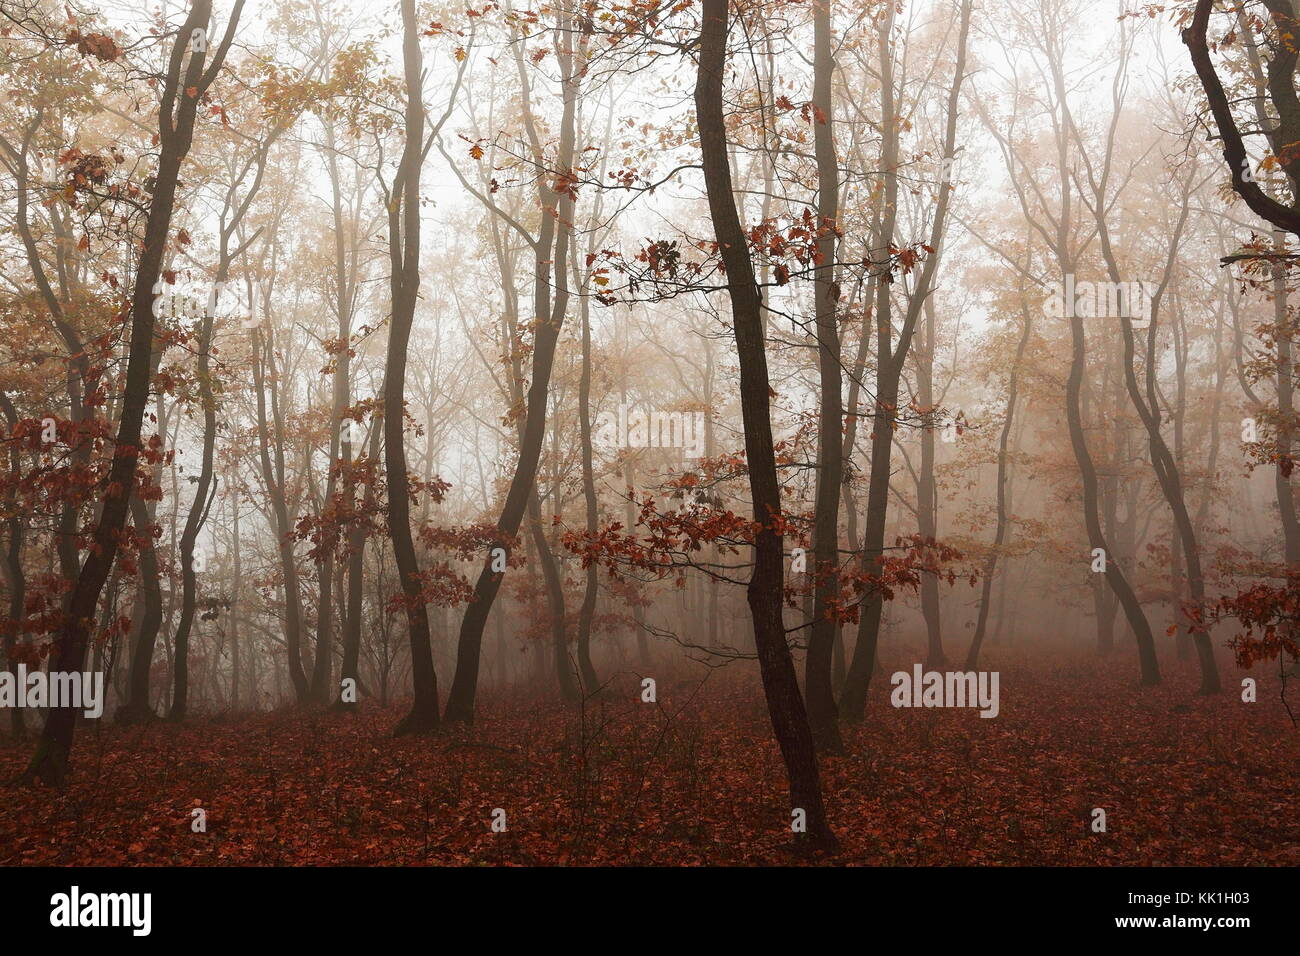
(694, 779)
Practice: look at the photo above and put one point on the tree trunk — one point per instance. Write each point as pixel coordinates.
(194, 521)
(13, 626)
(176, 130)
(274, 485)
(551, 249)
(404, 253)
(780, 682)
(999, 535)
(590, 683)
(823, 716)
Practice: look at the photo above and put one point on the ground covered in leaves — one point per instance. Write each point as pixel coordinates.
(695, 779)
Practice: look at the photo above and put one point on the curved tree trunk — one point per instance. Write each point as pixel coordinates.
(176, 130)
(194, 521)
(404, 253)
(551, 250)
(999, 535)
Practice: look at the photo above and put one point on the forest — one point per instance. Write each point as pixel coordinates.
(649, 432)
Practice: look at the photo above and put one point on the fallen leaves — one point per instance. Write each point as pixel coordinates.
(631, 784)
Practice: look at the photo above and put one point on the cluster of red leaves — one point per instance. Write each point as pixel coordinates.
(797, 243)
(1269, 615)
(439, 584)
(472, 542)
(665, 542)
(696, 779)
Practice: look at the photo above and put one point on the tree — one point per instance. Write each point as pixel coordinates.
(185, 81)
(780, 682)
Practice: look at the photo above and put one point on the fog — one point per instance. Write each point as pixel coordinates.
(613, 405)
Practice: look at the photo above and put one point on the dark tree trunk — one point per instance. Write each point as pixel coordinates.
(356, 571)
(138, 706)
(404, 253)
(13, 626)
(780, 681)
(176, 131)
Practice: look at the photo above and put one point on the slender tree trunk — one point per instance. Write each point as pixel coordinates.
(235, 589)
(13, 626)
(404, 244)
(823, 715)
(999, 535)
(196, 517)
(283, 527)
(927, 494)
(590, 682)
(890, 360)
(550, 249)
(356, 569)
(765, 591)
(1286, 415)
(1163, 463)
